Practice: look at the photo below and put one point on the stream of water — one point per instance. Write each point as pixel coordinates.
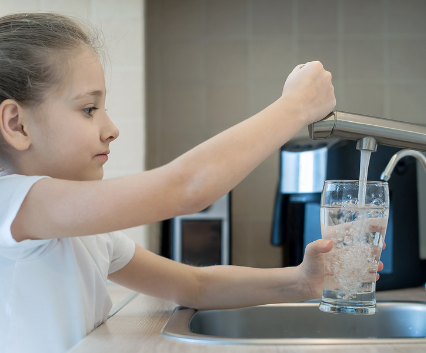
(363, 172)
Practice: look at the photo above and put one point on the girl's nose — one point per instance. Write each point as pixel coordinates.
(109, 130)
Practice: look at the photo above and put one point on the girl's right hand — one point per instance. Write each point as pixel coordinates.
(309, 90)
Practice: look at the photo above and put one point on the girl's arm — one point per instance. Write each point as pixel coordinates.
(224, 287)
(61, 208)
(209, 287)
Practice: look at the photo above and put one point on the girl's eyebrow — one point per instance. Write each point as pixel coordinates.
(92, 93)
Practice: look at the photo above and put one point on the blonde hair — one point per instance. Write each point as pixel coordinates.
(33, 47)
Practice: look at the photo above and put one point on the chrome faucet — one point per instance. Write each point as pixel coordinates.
(396, 158)
(393, 162)
(370, 131)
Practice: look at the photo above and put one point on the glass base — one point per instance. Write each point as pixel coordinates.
(347, 309)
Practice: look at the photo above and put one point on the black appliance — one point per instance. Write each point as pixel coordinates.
(200, 239)
(305, 165)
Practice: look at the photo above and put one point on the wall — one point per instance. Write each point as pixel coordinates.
(214, 63)
(123, 26)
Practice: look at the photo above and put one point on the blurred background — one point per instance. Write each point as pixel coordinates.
(214, 63)
(181, 71)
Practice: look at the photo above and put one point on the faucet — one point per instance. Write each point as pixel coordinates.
(370, 131)
(395, 159)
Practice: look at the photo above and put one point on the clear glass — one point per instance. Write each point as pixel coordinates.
(358, 231)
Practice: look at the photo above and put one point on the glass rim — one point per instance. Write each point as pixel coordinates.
(336, 181)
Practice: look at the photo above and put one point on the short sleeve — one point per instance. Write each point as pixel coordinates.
(123, 251)
(13, 190)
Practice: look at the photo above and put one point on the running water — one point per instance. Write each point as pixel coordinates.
(363, 171)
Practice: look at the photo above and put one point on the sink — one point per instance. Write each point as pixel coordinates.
(299, 323)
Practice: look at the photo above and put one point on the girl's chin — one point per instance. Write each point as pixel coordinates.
(100, 174)
(96, 173)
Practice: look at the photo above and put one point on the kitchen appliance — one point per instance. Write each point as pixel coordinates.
(200, 239)
(305, 165)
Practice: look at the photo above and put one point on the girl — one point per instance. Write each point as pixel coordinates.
(60, 222)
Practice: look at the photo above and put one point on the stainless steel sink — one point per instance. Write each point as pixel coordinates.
(299, 323)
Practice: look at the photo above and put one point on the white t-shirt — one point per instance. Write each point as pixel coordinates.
(52, 292)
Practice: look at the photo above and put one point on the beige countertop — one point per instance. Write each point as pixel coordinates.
(136, 328)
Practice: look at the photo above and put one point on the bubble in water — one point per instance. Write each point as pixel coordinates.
(355, 254)
(350, 263)
(378, 202)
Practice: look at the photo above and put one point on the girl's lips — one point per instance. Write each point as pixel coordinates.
(102, 156)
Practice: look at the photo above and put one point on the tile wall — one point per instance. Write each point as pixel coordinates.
(214, 63)
(122, 23)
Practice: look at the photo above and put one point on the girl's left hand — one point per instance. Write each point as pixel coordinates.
(312, 268)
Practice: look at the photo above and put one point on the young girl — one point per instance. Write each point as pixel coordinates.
(60, 222)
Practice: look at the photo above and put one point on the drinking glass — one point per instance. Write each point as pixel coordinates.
(358, 231)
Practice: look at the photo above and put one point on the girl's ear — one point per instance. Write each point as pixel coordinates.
(13, 125)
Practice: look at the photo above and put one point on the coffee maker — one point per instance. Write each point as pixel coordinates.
(304, 166)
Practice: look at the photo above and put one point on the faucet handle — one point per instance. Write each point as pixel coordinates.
(324, 129)
(357, 126)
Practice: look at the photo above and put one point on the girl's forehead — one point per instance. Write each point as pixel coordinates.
(85, 76)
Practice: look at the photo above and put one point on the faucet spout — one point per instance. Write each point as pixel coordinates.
(367, 143)
(397, 157)
(357, 127)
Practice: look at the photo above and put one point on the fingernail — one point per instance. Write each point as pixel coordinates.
(327, 243)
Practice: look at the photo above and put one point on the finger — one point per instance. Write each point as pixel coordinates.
(384, 245)
(315, 63)
(380, 266)
(377, 277)
(318, 247)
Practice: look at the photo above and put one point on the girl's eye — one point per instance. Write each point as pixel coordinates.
(89, 110)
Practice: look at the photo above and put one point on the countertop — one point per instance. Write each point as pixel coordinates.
(136, 327)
